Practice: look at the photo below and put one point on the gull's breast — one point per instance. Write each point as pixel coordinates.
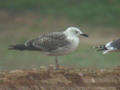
(74, 43)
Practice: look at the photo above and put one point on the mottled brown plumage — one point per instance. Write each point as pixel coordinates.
(48, 42)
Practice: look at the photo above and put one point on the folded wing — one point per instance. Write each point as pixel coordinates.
(48, 42)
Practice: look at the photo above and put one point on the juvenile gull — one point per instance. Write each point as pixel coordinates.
(112, 46)
(54, 43)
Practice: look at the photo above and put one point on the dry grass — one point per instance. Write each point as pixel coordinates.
(63, 79)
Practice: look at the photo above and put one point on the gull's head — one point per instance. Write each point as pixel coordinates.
(73, 31)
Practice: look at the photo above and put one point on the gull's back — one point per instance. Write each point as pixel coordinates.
(49, 42)
(116, 44)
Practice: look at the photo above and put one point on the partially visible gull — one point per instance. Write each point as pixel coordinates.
(111, 46)
(54, 43)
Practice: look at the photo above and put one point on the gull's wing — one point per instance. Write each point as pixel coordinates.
(48, 42)
(116, 44)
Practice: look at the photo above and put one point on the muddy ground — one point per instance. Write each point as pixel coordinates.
(47, 78)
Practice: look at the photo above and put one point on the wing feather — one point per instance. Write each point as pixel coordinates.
(48, 42)
(116, 44)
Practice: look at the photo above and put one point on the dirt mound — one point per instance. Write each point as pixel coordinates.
(63, 79)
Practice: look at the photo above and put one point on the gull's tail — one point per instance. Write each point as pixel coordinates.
(101, 48)
(18, 47)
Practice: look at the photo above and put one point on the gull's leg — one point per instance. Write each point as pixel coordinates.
(56, 62)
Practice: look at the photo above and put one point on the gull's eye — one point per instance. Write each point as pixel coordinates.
(76, 32)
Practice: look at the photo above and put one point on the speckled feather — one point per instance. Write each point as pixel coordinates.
(48, 42)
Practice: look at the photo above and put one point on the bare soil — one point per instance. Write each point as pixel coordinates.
(47, 78)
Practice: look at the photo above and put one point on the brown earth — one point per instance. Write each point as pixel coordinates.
(63, 79)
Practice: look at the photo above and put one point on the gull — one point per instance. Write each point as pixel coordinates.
(53, 43)
(111, 46)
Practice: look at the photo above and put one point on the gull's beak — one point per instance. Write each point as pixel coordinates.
(83, 34)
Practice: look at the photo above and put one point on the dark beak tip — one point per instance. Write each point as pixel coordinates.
(85, 35)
